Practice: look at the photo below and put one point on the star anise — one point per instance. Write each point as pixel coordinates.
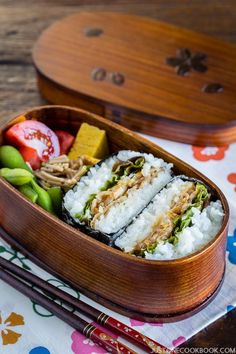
(186, 61)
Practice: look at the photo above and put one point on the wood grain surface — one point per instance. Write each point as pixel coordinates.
(21, 22)
(163, 291)
(150, 97)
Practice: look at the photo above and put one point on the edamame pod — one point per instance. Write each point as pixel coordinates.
(16, 176)
(28, 191)
(56, 196)
(44, 199)
(10, 157)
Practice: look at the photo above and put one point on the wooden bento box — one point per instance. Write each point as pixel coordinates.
(143, 289)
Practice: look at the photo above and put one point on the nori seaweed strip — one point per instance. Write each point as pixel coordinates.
(98, 235)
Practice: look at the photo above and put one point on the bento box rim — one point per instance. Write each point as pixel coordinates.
(116, 252)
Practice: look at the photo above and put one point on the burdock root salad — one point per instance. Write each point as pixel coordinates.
(129, 200)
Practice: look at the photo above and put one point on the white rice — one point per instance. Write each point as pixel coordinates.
(142, 225)
(75, 199)
(121, 214)
(206, 225)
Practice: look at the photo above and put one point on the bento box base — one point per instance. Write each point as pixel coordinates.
(155, 318)
(145, 317)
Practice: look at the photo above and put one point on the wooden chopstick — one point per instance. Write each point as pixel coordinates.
(148, 344)
(90, 331)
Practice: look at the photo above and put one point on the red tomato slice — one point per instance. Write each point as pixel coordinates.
(35, 135)
(65, 140)
(30, 155)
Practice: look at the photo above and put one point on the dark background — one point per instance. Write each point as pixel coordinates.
(21, 22)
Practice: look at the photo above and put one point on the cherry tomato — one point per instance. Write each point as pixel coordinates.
(35, 135)
(65, 140)
(30, 155)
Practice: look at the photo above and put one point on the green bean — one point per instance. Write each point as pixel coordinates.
(28, 191)
(10, 157)
(16, 176)
(56, 196)
(44, 199)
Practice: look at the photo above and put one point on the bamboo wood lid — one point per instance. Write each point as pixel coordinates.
(149, 76)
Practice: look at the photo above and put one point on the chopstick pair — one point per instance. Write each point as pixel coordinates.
(23, 281)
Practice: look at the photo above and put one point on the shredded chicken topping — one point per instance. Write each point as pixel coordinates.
(117, 194)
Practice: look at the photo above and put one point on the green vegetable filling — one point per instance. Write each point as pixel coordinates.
(125, 168)
(110, 183)
(185, 220)
(85, 215)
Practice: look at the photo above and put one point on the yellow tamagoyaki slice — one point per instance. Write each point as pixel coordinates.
(90, 141)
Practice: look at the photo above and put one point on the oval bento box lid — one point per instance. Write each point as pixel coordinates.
(147, 75)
